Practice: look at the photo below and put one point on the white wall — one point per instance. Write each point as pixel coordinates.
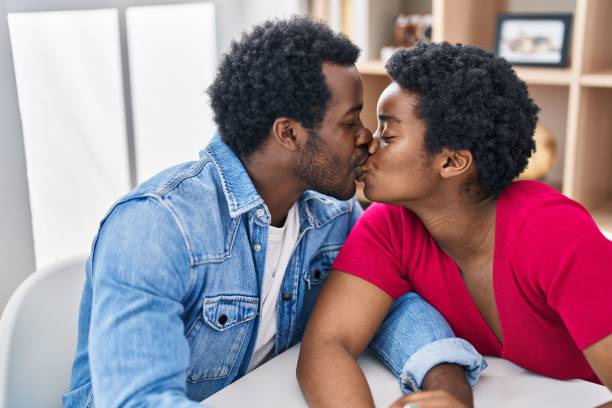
(236, 16)
(172, 53)
(54, 61)
(68, 70)
(16, 242)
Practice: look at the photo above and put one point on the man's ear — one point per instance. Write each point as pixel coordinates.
(289, 134)
(455, 162)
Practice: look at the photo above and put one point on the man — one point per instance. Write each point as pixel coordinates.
(212, 267)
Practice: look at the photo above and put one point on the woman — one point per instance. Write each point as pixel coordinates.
(517, 269)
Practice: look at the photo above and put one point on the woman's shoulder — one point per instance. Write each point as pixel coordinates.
(530, 191)
(534, 215)
(529, 203)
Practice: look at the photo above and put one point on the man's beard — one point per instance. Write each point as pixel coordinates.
(322, 171)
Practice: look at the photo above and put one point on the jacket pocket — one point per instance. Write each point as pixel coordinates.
(217, 337)
(320, 265)
(313, 278)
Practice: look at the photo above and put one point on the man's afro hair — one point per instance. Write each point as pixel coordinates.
(275, 70)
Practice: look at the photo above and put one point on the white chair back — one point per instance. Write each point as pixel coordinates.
(38, 334)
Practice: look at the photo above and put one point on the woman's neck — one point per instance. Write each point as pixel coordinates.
(464, 228)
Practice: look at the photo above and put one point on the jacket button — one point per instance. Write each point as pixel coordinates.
(287, 296)
(222, 319)
(257, 247)
(317, 274)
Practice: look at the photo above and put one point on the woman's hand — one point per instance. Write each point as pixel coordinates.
(429, 399)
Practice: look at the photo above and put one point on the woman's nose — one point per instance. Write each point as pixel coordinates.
(373, 145)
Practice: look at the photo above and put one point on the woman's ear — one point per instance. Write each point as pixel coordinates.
(455, 162)
(289, 134)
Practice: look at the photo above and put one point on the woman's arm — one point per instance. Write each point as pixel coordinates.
(344, 320)
(599, 356)
(346, 317)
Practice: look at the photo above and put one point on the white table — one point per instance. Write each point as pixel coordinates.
(502, 384)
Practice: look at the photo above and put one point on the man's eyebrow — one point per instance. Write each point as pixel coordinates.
(356, 108)
(388, 118)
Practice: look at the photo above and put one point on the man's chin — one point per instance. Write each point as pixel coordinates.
(350, 193)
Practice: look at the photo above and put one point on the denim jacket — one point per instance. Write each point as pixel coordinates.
(170, 307)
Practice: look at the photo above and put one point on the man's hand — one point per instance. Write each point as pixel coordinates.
(429, 399)
(444, 386)
(451, 379)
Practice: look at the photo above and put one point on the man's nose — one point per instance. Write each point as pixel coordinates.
(365, 137)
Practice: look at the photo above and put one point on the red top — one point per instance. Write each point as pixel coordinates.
(552, 277)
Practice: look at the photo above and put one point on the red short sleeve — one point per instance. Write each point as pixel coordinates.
(570, 260)
(373, 250)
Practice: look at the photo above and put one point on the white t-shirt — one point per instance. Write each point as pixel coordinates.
(281, 242)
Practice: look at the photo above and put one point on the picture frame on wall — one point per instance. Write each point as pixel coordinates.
(539, 40)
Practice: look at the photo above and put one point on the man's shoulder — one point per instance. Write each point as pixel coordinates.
(183, 191)
(184, 203)
(181, 179)
(179, 187)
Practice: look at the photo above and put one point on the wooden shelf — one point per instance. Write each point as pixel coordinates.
(372, 67)
(535, 76)
(603, 216)
(544, 76)
(597, 79)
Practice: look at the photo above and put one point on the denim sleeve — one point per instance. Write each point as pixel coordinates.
(415, 337)
(138, 352)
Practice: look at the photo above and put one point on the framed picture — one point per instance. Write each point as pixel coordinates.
(533, 39)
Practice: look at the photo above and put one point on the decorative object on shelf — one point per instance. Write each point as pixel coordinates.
(543, 158)
(407, 31)
(533, 39)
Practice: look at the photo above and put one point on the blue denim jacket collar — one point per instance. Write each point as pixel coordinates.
(238, 188)
(241, 194)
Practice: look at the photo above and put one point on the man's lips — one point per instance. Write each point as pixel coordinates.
(363, 160)
(359, 171)
(359, 174)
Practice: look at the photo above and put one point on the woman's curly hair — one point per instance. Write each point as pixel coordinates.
(275, 70)
(471, 99)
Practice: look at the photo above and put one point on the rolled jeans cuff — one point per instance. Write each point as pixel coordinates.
(444, 351)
